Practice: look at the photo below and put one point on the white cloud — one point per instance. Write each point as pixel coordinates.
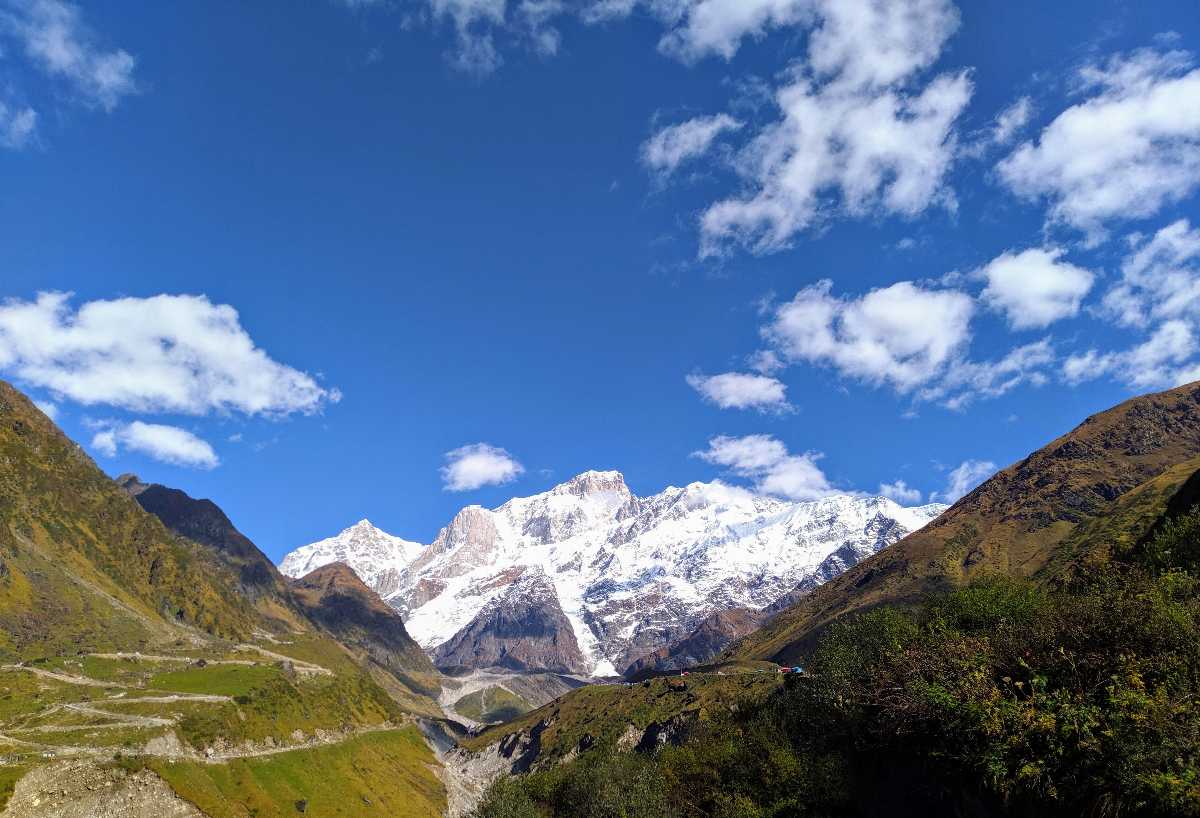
(966, 381)
(856, 134)
(1161, 279)
(901, 492)
(1125, 152)
(17, 126)
(1011, 120)
(477, 465)
(903, 335)
(670, 147)
(49, 409)
(167, 353)
(1035, 287)
(168, 444)
(839, 150)
(717, 27)
(968, 475)
(768, 463)
(738, 390)
(535, 16)
(54, 36)
(1164, 360)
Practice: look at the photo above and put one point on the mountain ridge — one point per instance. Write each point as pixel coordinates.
(632, 575)
(1018, 522)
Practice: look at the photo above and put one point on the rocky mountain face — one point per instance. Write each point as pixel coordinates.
(334, 597)
(1036, 518)
(377, 557)
(523, 629)
(614, 581)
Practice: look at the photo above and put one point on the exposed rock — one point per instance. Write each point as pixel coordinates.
(83, 789)
(524, 629)
(334, 597)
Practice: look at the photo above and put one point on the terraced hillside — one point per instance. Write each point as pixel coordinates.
(131, 654)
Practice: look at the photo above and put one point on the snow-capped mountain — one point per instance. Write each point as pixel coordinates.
(376, 556)
(632, 576)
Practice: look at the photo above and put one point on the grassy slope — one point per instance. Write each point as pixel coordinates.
(1026, 521)
(492, 704)
(605, 712)
(83, 569)
(387, 774)
(81, 565)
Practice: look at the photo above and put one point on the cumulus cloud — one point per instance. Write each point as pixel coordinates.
(670, 147)
(1011, 120)
(53, 35)
(1165, 359)
(767, 462)
(966, 381)
(477, 465)
(1035, 287)
(901, 492)
(739, 390)
(168, 444)
(1160, 280)
(1126, 151)
(167, 353)
(968, 475)
(903, 335)
(856, 133)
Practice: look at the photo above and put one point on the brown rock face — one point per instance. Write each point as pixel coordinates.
(524, 629)
(334, 597)
(1020, 522)
(714, 634)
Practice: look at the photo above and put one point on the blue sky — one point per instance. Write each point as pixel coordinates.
(335, 260)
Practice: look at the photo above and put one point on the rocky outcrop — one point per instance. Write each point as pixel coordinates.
(523, 629)
(85, 789)
(716, 632)
(335, 598)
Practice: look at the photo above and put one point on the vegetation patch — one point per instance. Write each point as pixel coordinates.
(1002, 698)
(492, 705)
(386, 773)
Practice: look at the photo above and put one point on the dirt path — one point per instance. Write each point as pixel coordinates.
(299, 664)
(66, 678)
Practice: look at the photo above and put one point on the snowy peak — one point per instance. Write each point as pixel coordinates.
(378, 558)
(593, 483)
(587, 569)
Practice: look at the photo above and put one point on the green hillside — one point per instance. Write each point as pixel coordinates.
(1006, 697)
(1034, 519)
(127, 648)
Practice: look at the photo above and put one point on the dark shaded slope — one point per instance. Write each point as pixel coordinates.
(331, 599)
(202, 521)
(1025, 521)
(82, 566)
(524, 629)
(335, 598)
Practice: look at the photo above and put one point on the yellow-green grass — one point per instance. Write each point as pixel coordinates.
(10, 774)
(387, 773)
(129, 738)
(492, 704)
(604, 712)
(219, 680)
